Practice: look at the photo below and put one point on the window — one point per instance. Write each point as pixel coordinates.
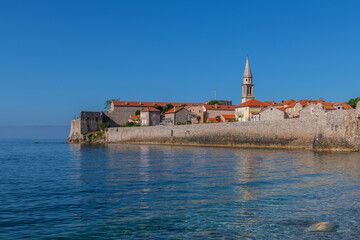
(312, 110)
(199, 111)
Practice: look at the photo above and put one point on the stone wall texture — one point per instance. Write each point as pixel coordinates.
(335, 130)
(339, 130)
(90, 121)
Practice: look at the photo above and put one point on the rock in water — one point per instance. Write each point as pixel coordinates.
(321, 227)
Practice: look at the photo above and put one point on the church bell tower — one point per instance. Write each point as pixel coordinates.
(247, 87)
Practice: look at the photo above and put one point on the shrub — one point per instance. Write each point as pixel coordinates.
(352, 102)
(105, 125)
(131, 124)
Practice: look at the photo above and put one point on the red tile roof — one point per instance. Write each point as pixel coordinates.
(150, 109)
(172, 110)
(150, 104)
(287, 102)
(303, 102)
(213, 120)
(271, 103)
(333, 105)
(327, 105)
(135, 118)
(227, 116)
(219, 107)
(252, 103)
(343, 104)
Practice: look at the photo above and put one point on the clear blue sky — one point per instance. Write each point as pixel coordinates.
(60, 57)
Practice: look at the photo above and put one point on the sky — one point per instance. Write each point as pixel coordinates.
(58, 58)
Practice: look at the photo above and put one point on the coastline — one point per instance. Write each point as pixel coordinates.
(217, 145)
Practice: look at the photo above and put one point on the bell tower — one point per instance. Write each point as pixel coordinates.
(247, 87)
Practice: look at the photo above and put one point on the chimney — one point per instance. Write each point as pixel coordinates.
(320, 99)
(126, 103)
(140, 103)
(174, 109)
(216, 106)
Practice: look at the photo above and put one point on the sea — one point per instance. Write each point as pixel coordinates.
(53, 190)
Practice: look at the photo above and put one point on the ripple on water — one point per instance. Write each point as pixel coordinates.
(170, 192)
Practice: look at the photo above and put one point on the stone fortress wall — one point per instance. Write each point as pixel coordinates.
(334, 130)
(338, 131)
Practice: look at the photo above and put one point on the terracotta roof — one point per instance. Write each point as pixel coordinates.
(344, 105)
(304, 102)
(134, 118)
(150, 109)
(150, 104)
(213, 120)
(219, 107)
(287, 102)
(333, 105)
(327, 105)
(271, 103)
(172, 110)
(252, 103)
(228, 116)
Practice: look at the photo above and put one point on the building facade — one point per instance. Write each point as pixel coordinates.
(149, 117)
(245, 111)
(177, 116)
(272, 114)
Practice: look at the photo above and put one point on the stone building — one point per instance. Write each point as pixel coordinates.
(149, 117)
(248, 86)
(293, 110)
(212, 111)
(177, 116)
(90, 121)
(272, 114)
(318, 109)
(121, 111)
(197, 113)
(244, 112)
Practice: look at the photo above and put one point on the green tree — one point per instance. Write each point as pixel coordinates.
(137, 112)
(218, 118)
(213, 102)
(160, 108)
(168, 107)
(107, 103)
(352, 102)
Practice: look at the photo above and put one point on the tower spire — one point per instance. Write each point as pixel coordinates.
(247, 72)
(248, 86)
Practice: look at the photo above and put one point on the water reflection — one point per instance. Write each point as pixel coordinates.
(141, 191)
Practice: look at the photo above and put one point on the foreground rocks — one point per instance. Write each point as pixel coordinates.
(321, 227)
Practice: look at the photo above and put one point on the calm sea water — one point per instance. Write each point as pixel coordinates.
(53, 190)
